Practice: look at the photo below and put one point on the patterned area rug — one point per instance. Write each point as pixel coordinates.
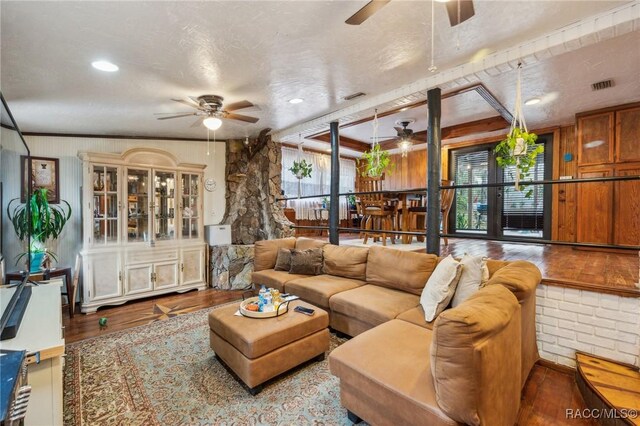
(164, 373)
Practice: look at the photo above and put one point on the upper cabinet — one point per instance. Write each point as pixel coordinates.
(611, 136)
(628, 135)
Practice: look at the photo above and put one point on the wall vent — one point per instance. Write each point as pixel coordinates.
(601, 85)
(353, 96)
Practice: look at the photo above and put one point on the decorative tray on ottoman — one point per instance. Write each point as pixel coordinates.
(283, 308)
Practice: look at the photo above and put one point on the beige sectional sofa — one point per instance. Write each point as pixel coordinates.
(467, 366)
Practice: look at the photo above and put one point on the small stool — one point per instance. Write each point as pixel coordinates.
(257, 350)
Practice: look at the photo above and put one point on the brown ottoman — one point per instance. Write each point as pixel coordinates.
(257, 350)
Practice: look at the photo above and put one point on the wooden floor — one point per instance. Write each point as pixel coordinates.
(547, 394)
(601, 271)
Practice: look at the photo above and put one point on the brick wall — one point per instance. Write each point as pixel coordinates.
(597, 323)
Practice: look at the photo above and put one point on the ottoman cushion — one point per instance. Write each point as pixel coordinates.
(257, 337)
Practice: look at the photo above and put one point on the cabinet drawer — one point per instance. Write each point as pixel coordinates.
(150, 256)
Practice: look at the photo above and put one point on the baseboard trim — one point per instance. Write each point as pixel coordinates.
(558, 367)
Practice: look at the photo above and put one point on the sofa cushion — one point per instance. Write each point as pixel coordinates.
(373, 304)
(345, 261)
(274, 279)
(416, 316)
(283, 261)
(476, 358)
(266, 252)
(319, 289)
(390, 365)
(303, 243)
(439, 290)
(306, 262)
(402, 270)
(495, 265)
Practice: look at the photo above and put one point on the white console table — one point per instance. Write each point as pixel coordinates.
(41, 331)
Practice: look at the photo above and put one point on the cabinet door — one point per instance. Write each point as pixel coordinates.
(137, 205)
(105, 205)
(192, 266)
(627, 207)
(628, 135)
(595, 139)
(166, 274)
(595, 206)
(104, 276)
(139, 278)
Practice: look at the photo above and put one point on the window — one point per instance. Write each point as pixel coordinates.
(319, 182)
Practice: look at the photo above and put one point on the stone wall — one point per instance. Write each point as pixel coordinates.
(231, 266)
(252, 186)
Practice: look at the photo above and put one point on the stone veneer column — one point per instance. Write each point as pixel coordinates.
(253, 182)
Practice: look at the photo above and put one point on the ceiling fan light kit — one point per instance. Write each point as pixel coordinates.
(212, 123)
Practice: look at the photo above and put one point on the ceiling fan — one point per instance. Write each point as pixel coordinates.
(404, 137)
(210, 111)
(458, 11)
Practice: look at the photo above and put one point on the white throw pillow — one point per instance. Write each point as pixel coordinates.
(438, 291)
(471, 278)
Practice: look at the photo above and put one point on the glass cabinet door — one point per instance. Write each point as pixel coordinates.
(105, 204)
(138, 205)
(189, 203)
(164, 205)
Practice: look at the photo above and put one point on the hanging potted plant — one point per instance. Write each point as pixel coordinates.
(44, 222)
(301, 169)
(519, 148)
(377, 162)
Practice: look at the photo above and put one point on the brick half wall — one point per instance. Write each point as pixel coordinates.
(602, 324)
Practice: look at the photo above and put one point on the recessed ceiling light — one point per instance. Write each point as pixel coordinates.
(105, 66)
(532, 101)
(442, 1)
(296, 101)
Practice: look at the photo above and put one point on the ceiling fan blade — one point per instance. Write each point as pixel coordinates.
(466, 11)
(178, 116)
(198, 122)
(366, 12)
(240, 117)
(238, 105)
(187, 103)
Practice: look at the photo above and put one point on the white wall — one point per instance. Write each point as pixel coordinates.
(597, 323)
(66, 149)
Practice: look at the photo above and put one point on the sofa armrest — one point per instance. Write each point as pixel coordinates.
(476, 359)
(520, 276)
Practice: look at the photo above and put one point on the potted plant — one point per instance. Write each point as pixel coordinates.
(519, 149)
(377, 162)
(301, 169)
(45, 221)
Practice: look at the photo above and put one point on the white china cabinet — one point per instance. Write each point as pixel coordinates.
(142, 226)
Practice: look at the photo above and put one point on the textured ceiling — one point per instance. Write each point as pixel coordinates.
(266, 52)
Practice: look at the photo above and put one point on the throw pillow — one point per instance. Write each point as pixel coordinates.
(306, 262)
(471, 278)
(438, 291)
(283, 261)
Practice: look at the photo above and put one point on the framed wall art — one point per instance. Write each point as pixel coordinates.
(44, 174)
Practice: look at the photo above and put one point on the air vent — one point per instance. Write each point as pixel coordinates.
(353, 96)
(601, 85)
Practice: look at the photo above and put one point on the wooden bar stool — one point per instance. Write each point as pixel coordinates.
(377, 210)
(418, 214)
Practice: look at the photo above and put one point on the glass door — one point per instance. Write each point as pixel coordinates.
(105, 204)
(189, 204)
(502, 211)
(164, 205)
(138, 205)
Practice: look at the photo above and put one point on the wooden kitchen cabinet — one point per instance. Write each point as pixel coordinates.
(595, 216)
(627, 207)
(595, 139)
(628, 135)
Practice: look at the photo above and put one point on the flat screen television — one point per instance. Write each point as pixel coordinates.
(13, 150)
